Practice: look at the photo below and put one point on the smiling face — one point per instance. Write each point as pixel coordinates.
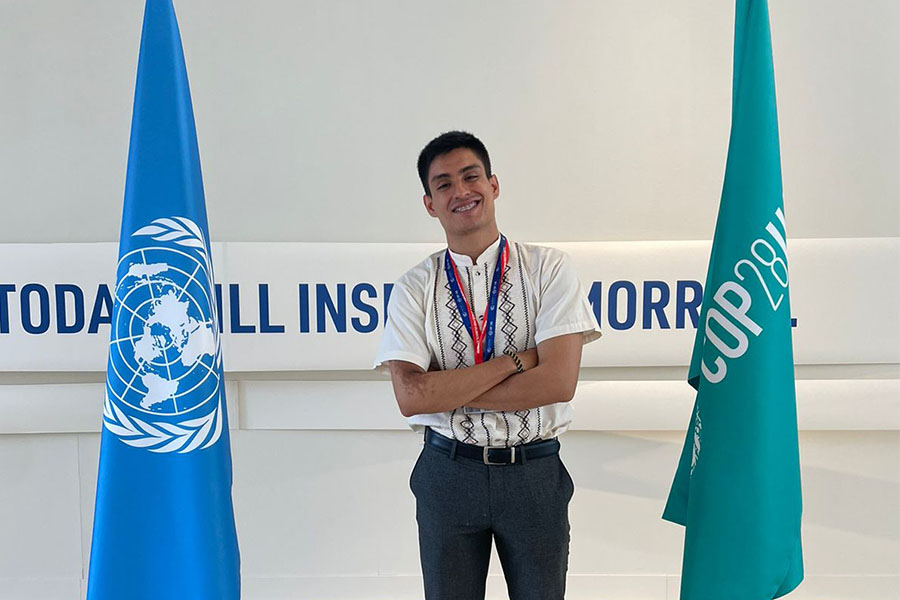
(462, 194)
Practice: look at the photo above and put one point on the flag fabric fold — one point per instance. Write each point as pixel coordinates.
(163, 516)
(737, 485)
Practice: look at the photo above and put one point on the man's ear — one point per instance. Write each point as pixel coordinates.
(495, 185)
(429, 205)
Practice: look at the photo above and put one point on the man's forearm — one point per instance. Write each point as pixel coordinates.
(552, 379)
(535, 387)
(420, 392)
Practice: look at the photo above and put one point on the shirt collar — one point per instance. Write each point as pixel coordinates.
(488, 256)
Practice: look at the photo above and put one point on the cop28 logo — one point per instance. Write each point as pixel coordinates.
(164, 381)
(774, 271)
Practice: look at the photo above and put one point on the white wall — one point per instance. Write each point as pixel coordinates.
(310, 114)
(322, 516)
(606, 121)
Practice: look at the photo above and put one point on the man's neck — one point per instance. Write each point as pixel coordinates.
(474, 244)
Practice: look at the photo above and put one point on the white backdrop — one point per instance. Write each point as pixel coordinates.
(606, 120)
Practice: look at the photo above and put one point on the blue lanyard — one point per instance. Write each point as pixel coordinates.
(482, 333)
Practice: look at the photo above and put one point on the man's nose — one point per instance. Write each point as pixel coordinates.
(460, 189)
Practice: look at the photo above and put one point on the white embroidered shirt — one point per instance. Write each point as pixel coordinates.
(540, 297)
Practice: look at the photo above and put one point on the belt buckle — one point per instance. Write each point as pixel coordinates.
(512, 455)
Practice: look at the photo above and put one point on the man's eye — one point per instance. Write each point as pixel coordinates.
(472, 177)
(443, 186)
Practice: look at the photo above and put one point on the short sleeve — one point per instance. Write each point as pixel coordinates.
(404, 332)
(564, 306)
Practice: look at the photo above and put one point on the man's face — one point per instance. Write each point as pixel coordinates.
(462, 195)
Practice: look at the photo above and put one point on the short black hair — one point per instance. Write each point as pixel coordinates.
(447, 142)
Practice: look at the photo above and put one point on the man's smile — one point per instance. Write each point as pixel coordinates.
(466, 207)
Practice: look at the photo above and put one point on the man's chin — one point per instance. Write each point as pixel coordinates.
(460, 230)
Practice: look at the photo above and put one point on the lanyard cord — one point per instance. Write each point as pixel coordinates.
(482, 332)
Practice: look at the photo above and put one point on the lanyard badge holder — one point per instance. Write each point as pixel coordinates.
(482, 331)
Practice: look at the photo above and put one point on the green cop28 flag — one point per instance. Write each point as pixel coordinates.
(737, 485)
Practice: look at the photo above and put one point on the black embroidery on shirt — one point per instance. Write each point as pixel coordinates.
(506, 306)
(505, 420)
(487, 432)
(468, 427)
(524, 433)
(456, 328)
(452, 429)
(471, 293)
(437, 315)
(524, 294)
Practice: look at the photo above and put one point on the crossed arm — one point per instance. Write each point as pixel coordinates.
(551, 372)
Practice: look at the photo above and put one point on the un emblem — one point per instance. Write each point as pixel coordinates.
(164, 381)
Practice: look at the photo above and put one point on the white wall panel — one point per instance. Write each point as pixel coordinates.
(88, 463)
(64, 407)
(319, 504)
(40, 522)
(666, 405)
(330, 405)
(851, 492)
(622, 480)
(653, 405)
(69, 407)
(68, 588)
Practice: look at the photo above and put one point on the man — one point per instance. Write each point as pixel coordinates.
(483, 344)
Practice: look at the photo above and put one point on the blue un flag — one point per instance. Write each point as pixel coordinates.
(163, 518)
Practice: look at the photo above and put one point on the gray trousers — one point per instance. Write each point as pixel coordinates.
(463, 504)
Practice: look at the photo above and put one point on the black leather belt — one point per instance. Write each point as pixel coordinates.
(492, 455)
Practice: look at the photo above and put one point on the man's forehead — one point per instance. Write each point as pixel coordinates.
(460, 163)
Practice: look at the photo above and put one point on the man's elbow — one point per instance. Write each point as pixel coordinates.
(566, 390)
(407, 391)
(409, 403)
(407, 408)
